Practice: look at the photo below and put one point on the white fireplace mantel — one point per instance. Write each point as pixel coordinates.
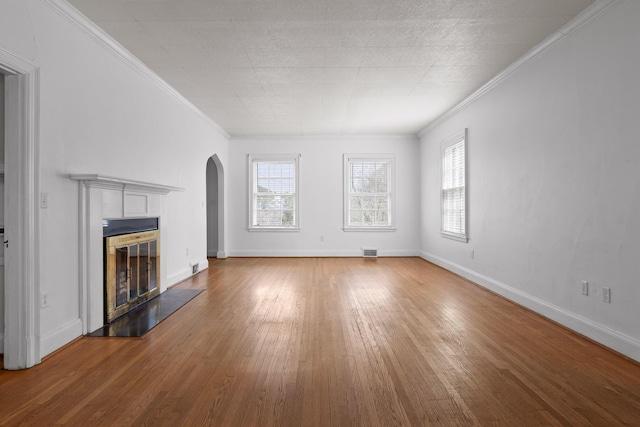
(106, 197)
(109, 182)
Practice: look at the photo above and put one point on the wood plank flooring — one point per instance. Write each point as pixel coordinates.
(331, 342)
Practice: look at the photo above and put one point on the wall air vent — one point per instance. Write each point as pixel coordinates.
(369, 253)
(194, 268)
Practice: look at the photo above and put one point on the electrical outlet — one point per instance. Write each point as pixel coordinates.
(606, 294)
(44, 200)
(45, 297)
(585, 287)
(472, 254)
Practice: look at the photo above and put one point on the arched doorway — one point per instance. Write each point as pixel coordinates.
(215, 208)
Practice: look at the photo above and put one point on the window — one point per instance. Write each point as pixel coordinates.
(273, 194)
(454, 189)
(368, 192)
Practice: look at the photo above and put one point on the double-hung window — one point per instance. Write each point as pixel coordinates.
(454, 188)
(273, 203)
(368, 192)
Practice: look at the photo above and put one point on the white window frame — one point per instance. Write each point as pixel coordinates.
(252, 161)
(351, 158)
(459, 235)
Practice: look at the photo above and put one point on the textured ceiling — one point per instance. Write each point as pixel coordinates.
(328, 67)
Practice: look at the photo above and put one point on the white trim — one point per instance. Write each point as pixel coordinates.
(221, 190)
(22, 269)
(61, 336)
(185, 273)
(310, 253)
(331, 137)
(591, 13)
(275, 229)
(456, 237)
(617, 341)
(203, 264)
(126, 185)
(373, 229)
(179, 276)
(89, 28)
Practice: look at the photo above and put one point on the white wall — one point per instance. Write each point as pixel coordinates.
(554, 183)
(321, 198)
(100, 115)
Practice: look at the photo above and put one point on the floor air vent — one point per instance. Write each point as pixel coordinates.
(370, 253)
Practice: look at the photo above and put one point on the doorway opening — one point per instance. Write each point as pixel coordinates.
(2, 101)
(215, 208)
(20, 95)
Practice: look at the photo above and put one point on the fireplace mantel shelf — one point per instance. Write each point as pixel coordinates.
(103, 181)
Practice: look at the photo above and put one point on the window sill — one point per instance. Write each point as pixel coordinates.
(383, 229)
(279, 229)
(456, 237)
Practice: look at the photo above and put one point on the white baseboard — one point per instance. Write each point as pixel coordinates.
(203, 264)
(617, 341)
(185, 273)
(221, 255)
(60, 337)
(179, 276)
(316, 253)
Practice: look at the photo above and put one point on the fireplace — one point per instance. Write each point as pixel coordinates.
(114, 198)
(131, 265)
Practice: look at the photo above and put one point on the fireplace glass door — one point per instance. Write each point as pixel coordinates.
(132, 266)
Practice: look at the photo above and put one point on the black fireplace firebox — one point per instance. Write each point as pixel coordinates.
(131, 264)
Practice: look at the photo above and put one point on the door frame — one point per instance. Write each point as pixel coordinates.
(22, 258)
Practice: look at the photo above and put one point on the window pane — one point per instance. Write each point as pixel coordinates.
(288, 202)
(287, 218)
(356, 202)
(357, 185)
(453, 188)
(274, 201)
(368, 185)
(355, 217)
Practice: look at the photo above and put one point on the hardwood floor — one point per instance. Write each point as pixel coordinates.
(331, 342)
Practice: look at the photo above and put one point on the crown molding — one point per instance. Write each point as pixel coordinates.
(591, 13)
(14, 64)
(89, 28)
(329, 137)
